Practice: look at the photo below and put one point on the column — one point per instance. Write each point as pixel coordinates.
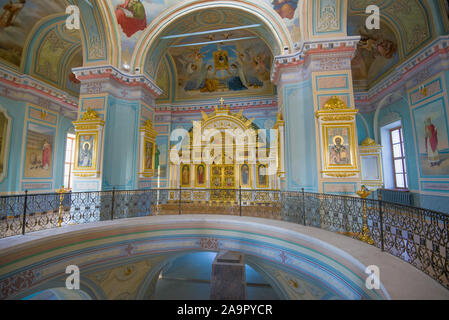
(124, 103)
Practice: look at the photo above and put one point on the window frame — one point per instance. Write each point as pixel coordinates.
(71, 160)
(402, 158)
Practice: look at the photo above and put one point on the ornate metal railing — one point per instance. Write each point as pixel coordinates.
(416, 235)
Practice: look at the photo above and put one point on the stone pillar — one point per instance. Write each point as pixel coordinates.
(124, 102)
(308, 83)
(228, 281)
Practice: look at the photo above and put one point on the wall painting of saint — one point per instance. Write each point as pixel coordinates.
(39, 151)
(185, 176)
(200, 175)
(432, 138)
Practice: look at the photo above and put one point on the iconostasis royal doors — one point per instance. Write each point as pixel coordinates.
(222, 177)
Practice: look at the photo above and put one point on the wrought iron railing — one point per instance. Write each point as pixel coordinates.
(416, 235)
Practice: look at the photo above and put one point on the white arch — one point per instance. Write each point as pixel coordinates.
(261, 11)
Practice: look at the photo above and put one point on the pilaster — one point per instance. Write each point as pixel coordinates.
(124, 102)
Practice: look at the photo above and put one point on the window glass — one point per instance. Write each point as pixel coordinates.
(398, 167)
(398, 155)
(397, 151)
(395, 137)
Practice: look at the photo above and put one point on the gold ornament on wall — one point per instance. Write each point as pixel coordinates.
(90, 115)
(335, 103)
(368, 142)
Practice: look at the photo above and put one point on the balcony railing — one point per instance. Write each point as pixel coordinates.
(416, 235)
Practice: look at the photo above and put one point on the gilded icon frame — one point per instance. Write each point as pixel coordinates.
(346, 140)
(267, 177)
(249, 184)
(197, 182)
(182, 184)
(93, 165)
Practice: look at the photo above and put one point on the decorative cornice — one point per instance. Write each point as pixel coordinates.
(89, 74)
(324, 47)
(27, 85)
(209, 106)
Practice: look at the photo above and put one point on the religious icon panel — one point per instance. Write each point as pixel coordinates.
(245, 176)
(39, 151)
(185, 175)
(262, 176)
(200, 180)
(339, 147)
(149, 154)
(85, 151)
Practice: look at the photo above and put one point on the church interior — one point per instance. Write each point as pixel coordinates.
(224, 149)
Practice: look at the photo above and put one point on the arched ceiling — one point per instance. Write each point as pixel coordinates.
(406, 26)
(205, 20)
(152, 17)
(17, 22)
(250, 57)
(35, 41)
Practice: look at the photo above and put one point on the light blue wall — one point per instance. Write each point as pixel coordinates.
(402, 108)
(361, 131)
(428, 201)
(16, 111)
(300, 139)
(121, 145)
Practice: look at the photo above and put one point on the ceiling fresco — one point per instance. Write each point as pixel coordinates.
(406, 26)
(134, 16)
(163, 80)
(52, 52)
(17, 18)
(220, 69)
(377, 53)
(210, 19)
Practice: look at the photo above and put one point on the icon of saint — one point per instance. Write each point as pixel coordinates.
(185, 175)
(200, 175)
(245, 175)
(338, 152)
(431, 140)
(262, 175)
(85, 158)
